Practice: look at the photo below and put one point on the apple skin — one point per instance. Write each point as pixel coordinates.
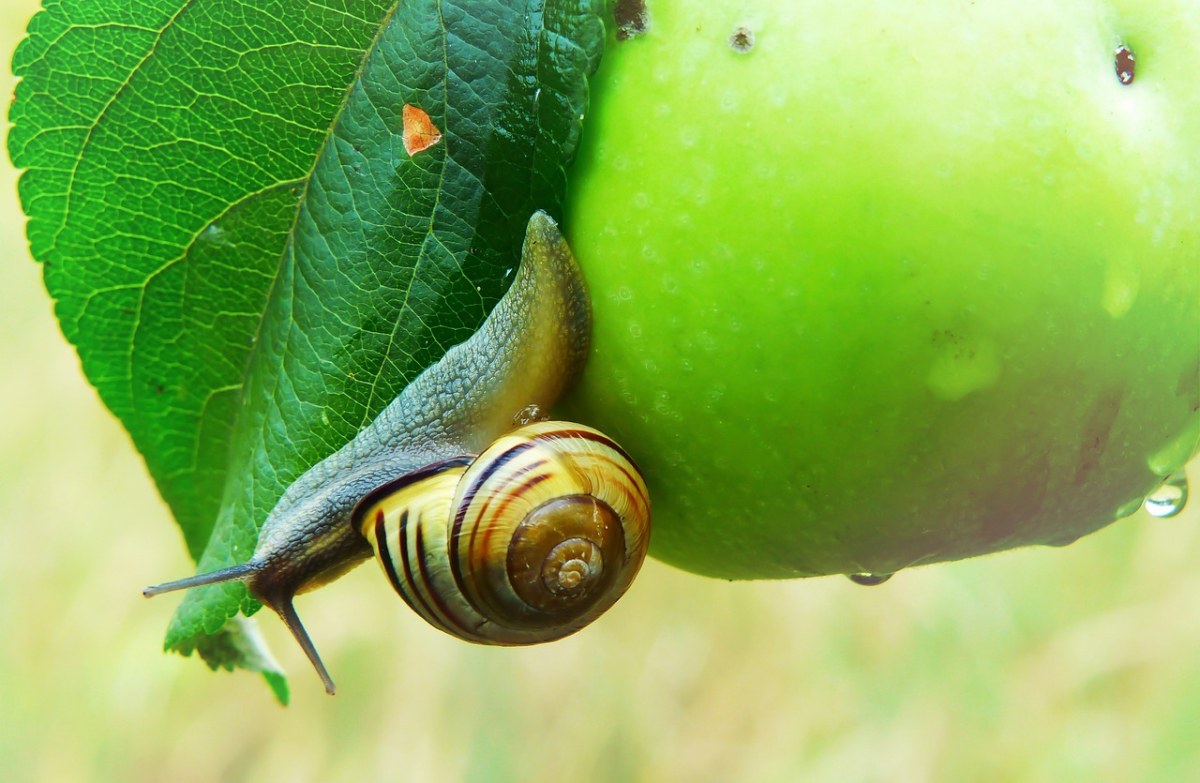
(905, 282)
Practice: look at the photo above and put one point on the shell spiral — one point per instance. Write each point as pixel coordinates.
(526, 543)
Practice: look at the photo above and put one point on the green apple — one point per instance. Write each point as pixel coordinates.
(879, 284)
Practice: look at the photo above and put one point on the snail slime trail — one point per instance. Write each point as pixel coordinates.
(493, 534)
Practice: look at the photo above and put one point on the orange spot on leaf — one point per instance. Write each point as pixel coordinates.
(419, 131)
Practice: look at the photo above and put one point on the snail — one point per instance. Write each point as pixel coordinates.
(494, 534)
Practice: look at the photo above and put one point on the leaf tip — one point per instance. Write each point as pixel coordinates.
(279, 687)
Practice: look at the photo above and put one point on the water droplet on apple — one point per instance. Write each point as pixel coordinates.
(1169, 499)
(1128, 509)
(868, 579)
(1171, 458)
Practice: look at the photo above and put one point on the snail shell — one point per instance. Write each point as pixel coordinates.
(528, 543)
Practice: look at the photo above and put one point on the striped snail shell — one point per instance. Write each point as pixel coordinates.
(527, 543)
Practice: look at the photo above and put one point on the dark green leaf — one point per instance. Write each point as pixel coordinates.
(248, 261)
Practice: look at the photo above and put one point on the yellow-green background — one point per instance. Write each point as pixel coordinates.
(1073, 664)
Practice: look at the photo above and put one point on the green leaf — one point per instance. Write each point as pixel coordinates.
(240, 645)
(247, 259)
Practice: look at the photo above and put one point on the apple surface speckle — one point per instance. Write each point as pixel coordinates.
(741, 40)
(1125, 65)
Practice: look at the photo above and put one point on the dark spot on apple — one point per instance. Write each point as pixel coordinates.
(1014, 502)
(632, 18)
(1097, 430)
(1189, 383)
(1125, 62)
(741, 40)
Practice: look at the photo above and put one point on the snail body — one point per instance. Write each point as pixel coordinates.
(495, 535)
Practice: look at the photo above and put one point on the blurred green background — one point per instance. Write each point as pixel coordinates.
(1073, 664)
